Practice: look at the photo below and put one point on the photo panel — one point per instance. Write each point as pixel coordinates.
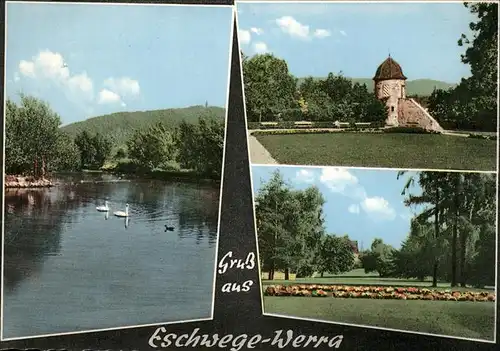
(394, 250)
(342, 83)
(114, 134)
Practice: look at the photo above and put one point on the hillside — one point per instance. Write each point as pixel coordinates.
(119, 126)
(423, 87)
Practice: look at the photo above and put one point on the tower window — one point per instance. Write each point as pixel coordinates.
(392, 108)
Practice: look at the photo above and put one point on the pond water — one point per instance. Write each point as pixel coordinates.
(70, 268)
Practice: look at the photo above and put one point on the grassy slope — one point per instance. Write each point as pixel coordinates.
(388, 150)
(462, 319)
(120, 125)
(422, 87)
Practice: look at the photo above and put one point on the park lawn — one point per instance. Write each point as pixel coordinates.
(461, 319)
(393, 150)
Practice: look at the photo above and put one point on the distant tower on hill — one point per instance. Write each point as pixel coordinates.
(390, 85)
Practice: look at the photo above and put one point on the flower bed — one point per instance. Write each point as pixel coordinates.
(377, 292)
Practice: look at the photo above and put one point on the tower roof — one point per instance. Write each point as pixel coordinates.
(389, 69)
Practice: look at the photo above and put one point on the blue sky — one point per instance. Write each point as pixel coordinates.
(355, 38)
(362, 203)
(87, 60)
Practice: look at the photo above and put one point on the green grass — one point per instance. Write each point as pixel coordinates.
(462, 319)
(382, 150)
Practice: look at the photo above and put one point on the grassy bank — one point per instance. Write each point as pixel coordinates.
(465, 319)
(394, 150)
(173, 172)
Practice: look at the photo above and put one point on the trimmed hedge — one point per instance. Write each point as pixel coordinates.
(484, 137)
(409, 130)
(377, 292)
(310, 125)
(314, 131)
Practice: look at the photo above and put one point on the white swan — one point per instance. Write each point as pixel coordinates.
(104, 208)
(121, 213)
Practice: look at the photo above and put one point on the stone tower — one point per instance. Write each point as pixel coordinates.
(390, 86)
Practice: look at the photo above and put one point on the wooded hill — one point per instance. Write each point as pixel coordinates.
(119, 126)
(421, 87)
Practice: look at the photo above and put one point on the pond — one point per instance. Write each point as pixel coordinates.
(69, 268)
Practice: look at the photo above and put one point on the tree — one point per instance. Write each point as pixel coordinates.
(304, 225)
(460, 207)
(378, 259)
(201, 146)
(68, 157)
(431, 194)
(270, 219)
(335, 255)
(102, 149)
(415, 258)
(269, 87)
(94, 149)
(121, 153)
(152, 148)
(83, 141)
(473, 103)
(32, 132)
(290, 227)
(482, 55)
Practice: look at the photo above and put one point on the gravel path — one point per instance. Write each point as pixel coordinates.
(258, 153)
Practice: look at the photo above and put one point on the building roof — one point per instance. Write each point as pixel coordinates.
(389, 69)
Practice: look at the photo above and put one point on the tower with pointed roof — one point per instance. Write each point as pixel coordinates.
(390, 86)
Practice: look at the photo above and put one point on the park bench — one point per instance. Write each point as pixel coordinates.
(303, 124)
(362, 124)
(341, 124)
(269, 124)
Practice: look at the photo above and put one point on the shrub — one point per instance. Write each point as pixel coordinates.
(409, 130)
(253, 125)
(484, 137)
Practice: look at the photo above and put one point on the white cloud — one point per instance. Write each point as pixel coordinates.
(51, 65)
(81, 82)
(108, 97)
(123, 86)
(343, 33)
(338, 180)
(341, 181)
(305, 176)
(244, 36)
(27, 68)
(295, 29)
(258, 31)
(378, 208)
(260, 47)
(321, 33)
(353, 209)
(292, 27)
(16, 77)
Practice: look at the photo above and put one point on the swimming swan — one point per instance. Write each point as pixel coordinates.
(121, 213)
(104, 208)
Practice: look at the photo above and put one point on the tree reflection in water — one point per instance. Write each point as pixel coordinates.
(35, 218)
